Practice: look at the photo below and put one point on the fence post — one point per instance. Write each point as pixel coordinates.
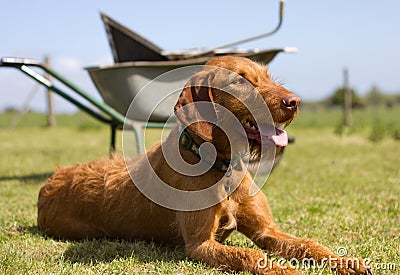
(347, 108)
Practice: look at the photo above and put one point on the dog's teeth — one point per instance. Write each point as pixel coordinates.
(253, 127)
(247, 124)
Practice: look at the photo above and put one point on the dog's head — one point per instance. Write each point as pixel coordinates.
(262, 107)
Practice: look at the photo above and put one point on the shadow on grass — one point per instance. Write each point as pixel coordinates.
(97, 251)
(18, 230)
(105, 251)
(31, 229)
(39, 177)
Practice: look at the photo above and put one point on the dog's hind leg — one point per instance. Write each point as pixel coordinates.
(62, 212)
(57, 221)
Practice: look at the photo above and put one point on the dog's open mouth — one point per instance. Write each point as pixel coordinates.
(263, 134)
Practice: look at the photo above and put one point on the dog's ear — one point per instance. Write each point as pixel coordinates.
(195, 106)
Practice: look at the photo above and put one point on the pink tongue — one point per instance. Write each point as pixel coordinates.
(280, 138)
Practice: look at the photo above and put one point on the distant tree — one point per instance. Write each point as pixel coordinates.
(10, 109)
(337, 98)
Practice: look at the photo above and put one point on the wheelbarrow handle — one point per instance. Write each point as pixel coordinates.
(248, 39)
(15, 61)
(23, 64)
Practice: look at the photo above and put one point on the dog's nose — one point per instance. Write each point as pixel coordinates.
(291, 101)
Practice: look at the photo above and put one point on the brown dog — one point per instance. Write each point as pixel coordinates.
(99, 199)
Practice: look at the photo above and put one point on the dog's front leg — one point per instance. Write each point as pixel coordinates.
(198, 230)
(255, 221)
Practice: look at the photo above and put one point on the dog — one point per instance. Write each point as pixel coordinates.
(114, 198)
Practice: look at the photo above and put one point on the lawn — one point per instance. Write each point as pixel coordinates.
(343, 190)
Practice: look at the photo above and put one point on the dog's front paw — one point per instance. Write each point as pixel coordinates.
(347, 266)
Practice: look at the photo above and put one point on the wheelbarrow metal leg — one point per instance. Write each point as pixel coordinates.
(138, 129)
(112, 138)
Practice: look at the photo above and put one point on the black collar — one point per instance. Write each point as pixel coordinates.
(187, 142)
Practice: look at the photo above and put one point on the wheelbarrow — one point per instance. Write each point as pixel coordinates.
(120, 83)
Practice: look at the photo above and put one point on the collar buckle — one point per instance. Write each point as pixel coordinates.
(186, 140)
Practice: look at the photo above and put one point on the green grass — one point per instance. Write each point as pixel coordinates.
(342, 190)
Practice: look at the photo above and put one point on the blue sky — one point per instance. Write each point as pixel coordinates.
(362, 35)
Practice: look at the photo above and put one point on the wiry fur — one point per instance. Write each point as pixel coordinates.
(99, 199)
